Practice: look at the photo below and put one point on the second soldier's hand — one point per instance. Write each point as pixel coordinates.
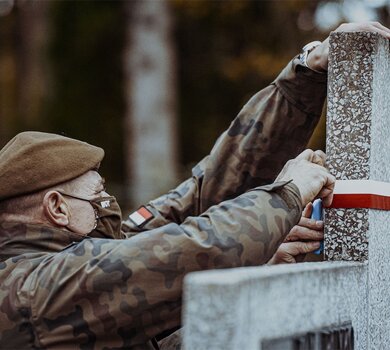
(318, 58)
(304, 238)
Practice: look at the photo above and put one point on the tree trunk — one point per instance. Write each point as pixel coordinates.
(32, 67)
(150, 123)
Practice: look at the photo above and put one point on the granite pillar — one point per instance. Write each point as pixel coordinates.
(358, 147)
(358, 135)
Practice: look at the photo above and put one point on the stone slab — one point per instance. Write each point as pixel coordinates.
(239, 308)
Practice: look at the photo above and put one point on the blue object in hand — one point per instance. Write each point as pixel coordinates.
(316, 214)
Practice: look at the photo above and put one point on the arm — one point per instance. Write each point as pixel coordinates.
(105, 292)
(273, 127)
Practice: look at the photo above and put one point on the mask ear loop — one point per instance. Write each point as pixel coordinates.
(96, 219)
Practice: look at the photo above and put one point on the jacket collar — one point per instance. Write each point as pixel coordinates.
(21, 239)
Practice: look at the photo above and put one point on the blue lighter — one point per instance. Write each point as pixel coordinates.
(316, 214)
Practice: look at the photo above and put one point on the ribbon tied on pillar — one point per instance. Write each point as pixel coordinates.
(361, 194)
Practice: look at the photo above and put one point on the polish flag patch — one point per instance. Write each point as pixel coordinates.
(141, 216)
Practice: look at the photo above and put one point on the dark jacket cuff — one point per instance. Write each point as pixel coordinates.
(303, 87)
(288, 191)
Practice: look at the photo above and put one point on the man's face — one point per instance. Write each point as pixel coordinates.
(88, 186)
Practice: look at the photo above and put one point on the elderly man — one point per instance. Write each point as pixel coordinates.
(73, 275)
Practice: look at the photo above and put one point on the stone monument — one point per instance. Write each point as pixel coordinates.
(268, 307)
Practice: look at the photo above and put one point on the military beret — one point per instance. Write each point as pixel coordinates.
(33, 161)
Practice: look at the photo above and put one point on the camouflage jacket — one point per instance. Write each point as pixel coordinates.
(59, 290)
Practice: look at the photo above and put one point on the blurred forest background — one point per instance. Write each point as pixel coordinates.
(152, 82)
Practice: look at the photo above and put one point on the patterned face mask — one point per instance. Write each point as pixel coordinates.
(108, 217)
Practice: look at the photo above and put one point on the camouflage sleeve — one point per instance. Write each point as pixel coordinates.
(121, 293)
(273, 127)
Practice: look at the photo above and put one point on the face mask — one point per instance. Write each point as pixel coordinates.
(108, 217)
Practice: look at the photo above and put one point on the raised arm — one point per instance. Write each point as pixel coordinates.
(273, 127)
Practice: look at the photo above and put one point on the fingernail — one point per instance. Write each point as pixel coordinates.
(316, 244)
(319, 223)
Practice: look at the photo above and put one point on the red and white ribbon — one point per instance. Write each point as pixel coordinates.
(361, 194)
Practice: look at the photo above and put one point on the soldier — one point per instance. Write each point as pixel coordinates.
(73, 275)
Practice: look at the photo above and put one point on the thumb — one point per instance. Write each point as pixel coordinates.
(308, 210)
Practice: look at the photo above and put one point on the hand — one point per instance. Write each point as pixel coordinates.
(308, 173)
(318, 58)
(303, 238)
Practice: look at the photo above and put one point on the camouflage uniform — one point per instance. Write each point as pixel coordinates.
(65, 291)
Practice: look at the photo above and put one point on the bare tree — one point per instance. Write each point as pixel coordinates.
(150, 124)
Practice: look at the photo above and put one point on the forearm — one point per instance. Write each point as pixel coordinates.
(273, 127)
(143, 276)
(245, 231)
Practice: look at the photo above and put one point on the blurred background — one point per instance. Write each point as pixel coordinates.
(153, 82)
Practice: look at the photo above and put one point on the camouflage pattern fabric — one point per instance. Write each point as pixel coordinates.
(273, 127)
(59, 290)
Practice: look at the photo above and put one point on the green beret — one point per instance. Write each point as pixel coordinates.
(33, 161)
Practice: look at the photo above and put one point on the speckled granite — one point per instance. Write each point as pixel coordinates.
(358, 132)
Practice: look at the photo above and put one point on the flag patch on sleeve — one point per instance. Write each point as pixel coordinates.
(141, 216)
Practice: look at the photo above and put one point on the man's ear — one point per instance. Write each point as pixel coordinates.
(55, 209)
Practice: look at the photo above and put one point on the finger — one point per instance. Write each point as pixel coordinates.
(368, 26)
(311, 223)
(299, 233)
(322, 156)
(326, 192)
(316, 159)
(375, 27)
(384, 31)
(308, 210)
(285, 254)
(327, 201)
(296, 248)
(307, 154)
